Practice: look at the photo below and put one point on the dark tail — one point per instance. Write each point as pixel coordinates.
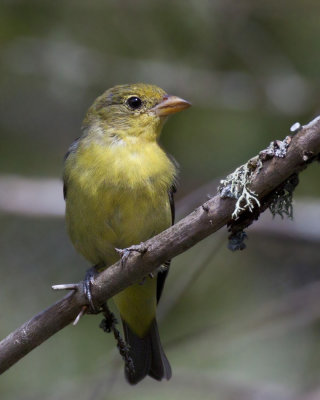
(147, 355)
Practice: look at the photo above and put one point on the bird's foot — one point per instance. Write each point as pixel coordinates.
(84, 287)
(87, 283)
(124, 253)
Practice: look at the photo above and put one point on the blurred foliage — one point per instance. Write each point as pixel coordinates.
(251, 69)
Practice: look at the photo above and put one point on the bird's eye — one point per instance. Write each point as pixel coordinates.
(134, 102)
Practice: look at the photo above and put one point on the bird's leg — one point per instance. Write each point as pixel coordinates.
(87, 283)
(108, 324)
(124, 253)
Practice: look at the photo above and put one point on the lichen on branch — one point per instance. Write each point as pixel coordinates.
(236, 186)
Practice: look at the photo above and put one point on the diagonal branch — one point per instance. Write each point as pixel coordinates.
(268, 172)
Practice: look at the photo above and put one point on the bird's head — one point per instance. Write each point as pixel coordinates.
(131, 111)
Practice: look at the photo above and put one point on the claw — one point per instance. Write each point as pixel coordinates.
(124, 253)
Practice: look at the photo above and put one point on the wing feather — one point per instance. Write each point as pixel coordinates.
(162, 275)
(71, 149)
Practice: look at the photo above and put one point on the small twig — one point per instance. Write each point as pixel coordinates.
(81, 314)
(66, 286)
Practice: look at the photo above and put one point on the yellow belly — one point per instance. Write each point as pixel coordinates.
(108, 219)
(117, 198)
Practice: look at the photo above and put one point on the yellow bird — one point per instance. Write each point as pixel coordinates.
(118, 186)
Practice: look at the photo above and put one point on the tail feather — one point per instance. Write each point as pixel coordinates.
(147, 355)
(160, 367)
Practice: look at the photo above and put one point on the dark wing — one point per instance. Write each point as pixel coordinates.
(71, 149)
(162, 275)
(172, 190)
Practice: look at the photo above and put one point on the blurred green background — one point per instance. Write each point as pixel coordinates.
(236, 326)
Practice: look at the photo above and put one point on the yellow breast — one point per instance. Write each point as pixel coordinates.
(117, 196)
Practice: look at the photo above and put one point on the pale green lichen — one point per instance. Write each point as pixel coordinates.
(236, 186)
